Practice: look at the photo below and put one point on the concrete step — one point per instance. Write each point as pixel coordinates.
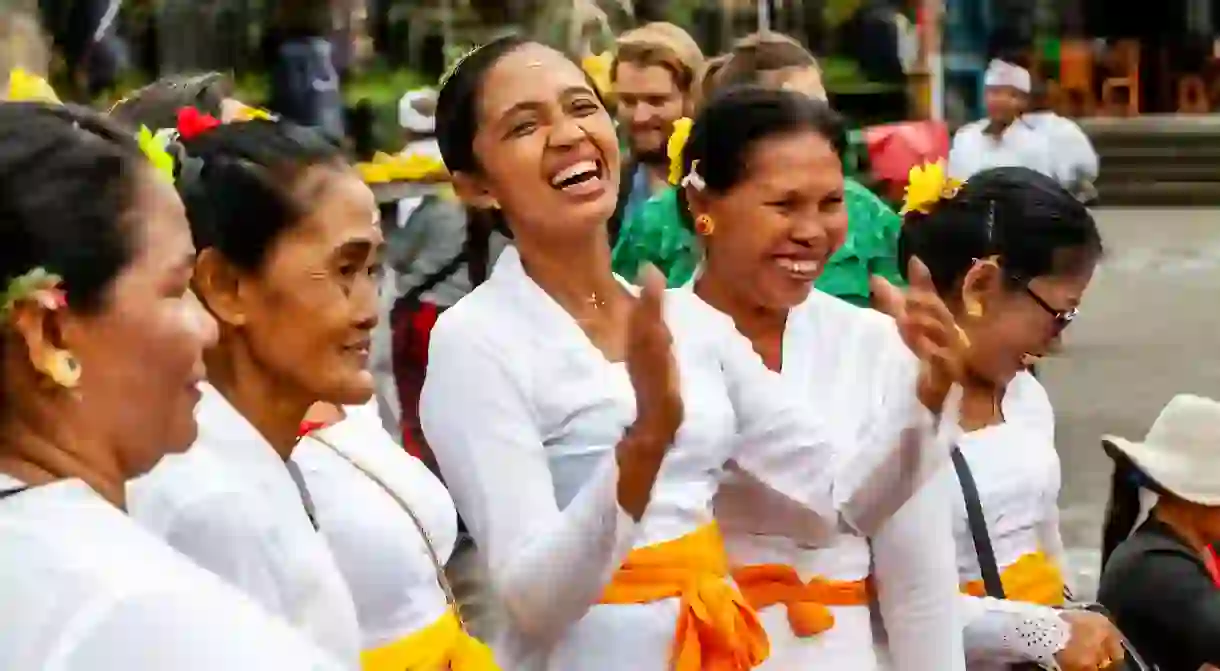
(1159, 194)
(1166, 170)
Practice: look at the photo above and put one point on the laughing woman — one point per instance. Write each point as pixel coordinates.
(765, 190)
(1011, 253)
(583, 430)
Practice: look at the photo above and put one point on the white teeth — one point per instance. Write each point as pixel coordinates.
(798, 267)
(572, 171)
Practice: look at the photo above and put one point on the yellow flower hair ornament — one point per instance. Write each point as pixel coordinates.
(674, 148)
(927, 185)
(597, 66)
(26, 87)
(153, 146)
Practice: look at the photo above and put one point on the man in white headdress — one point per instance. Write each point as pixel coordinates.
(1076, 160)
(1003, 139)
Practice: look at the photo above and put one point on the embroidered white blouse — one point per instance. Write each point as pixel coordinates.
(230, 504)
(1016, 470)
(848, 363)
(523, 413)
(1020, 145)
(376, 544)
(84, 588)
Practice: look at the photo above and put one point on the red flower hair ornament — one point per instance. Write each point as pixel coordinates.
(192, 122)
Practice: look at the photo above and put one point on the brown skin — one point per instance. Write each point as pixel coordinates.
(649, 102)
(537, 116)
(1003, 324)
(1004, 104)
(141, 357)
(789, 206)
(297, 331)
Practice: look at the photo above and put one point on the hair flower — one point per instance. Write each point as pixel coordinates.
(597, 67)
(26, 87)
(192, 122)
(35, 285)
(244, 112)
(153, 147)
(927, 185)
(674, 148)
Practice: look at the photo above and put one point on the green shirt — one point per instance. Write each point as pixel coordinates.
(654, 233)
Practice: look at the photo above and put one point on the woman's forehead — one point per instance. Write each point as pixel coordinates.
(532, 73)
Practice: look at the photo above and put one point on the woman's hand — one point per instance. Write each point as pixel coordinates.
(658, 396)
(928, 329)
(1094, 642)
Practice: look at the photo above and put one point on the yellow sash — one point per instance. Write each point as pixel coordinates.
(441, 646)
(717, 630)
(808, 602)
(1033, 578)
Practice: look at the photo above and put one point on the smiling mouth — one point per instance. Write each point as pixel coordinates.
(579, 177)
(800, 269)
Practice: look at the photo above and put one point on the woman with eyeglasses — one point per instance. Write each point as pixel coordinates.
(1011, 253)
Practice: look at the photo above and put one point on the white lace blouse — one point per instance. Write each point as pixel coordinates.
(523, 412)
(1016, 470)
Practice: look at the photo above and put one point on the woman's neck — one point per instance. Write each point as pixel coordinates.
(47, 450)
(981, 404)
(258, 397)
(1178, 516)
(577, 276)
(764, 327)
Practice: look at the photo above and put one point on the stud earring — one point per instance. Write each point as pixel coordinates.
(62, 368)
(705, 225)
(974, 309)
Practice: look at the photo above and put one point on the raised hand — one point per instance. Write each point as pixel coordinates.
(658, 395)
(928, 329)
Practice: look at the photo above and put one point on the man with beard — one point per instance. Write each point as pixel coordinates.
(653, 73)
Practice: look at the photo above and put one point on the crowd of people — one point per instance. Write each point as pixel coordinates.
(692, 400)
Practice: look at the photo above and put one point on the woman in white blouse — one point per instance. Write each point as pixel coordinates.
(1012, 253)
(768, 209)
(101, 354)
(582, 449)
(392, 528)
(289, 247)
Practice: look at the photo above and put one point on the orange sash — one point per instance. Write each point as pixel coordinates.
(1033, 578)
(765, 585)
(717, 630)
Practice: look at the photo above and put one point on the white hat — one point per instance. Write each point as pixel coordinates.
(411, 118)
(1003, 73)
(1182, 450)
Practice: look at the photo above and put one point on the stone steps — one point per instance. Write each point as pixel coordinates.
(1158, 160)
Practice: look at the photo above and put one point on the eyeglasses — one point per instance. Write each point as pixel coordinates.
(1062, 317)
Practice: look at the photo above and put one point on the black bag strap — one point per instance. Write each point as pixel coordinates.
(978, 526)
(13, 492)
(439, 275)
(303, 489)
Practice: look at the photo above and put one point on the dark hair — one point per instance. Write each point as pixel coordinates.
(156, 105)
(1021, 216)
(457, 122)
(237, 181)
(67, 181)
(1123, 508)
(736, 119)
(760, 53)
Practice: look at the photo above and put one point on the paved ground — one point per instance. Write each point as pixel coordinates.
(1150, 328)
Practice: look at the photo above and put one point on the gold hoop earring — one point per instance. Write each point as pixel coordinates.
(705, 225)
(62, 368)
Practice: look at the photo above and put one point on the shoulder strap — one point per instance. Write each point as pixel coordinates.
(13, 492)
(978, 526)
(439, 275)
(306, 499)
(437, 565)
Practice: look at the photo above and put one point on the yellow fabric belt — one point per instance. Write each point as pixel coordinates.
(808, 602)
(717, 630)
(1033, 578)
(441, 646)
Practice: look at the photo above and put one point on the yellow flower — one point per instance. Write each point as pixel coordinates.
(401, 168)
(26, 87)
(927, 185)
(247, 113)
(677, 143)
(597, 66)
(154, 149)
